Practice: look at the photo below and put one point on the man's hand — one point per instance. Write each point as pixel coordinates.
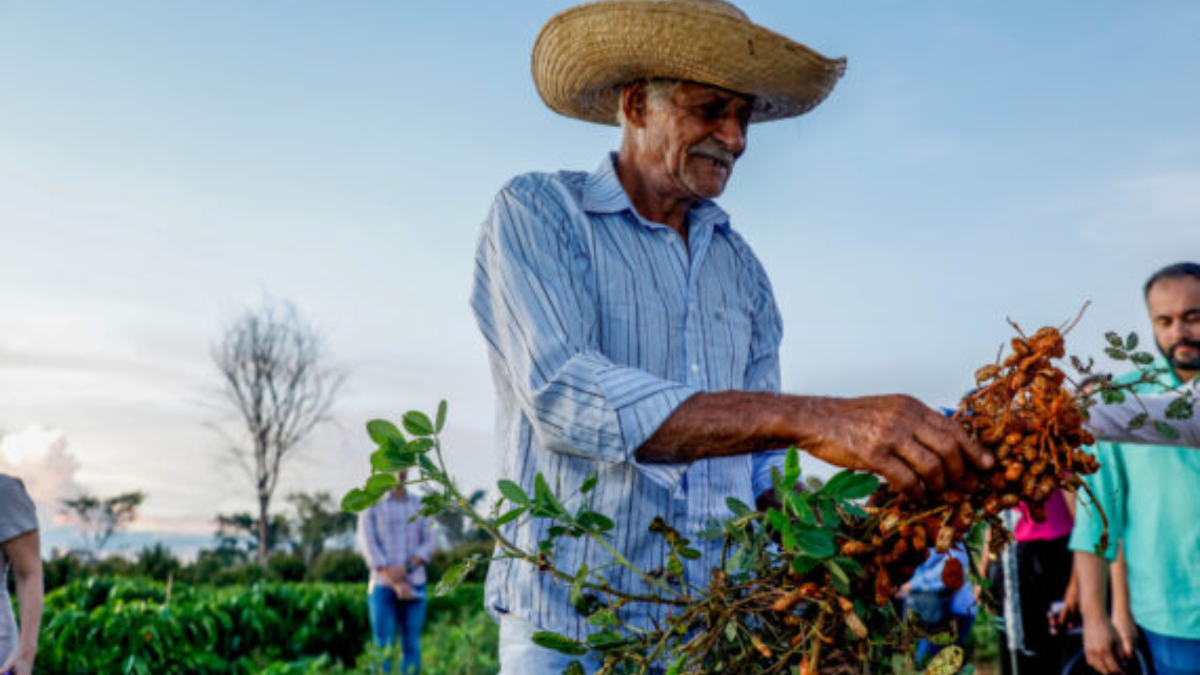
(1127, 631)
(394, 574)
(896, 437)
(404, 591)
(18, 665)
(1068, 611)
(1101, 644)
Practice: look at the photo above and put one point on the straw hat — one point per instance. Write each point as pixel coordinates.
(584, 55)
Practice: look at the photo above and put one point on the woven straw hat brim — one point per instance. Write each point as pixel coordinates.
(584, 55)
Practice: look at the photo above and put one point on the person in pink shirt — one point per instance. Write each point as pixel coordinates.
(1044, 575)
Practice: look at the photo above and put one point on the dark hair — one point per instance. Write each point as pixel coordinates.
(1183, 269)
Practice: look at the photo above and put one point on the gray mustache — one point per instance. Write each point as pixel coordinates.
(708, 148)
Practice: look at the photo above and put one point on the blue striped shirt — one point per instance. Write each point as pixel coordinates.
(599, 325)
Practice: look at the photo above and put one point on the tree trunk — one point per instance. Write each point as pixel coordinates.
(263, 502)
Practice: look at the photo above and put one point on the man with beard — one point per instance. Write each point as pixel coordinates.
(1151, 496)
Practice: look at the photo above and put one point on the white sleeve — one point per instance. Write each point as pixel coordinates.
(1110, 421)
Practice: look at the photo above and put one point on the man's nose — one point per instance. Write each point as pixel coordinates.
(732, 134)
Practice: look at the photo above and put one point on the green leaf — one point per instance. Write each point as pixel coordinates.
(357, 500)
(1113, 339)
(841, 580)
(777, 520)
(791, 467)
(803, 564)
(1116, 354)
(1112, 396)
(589, 483)
(739, 561)
(1139, 420)
(559, 643)
(596, 521)
(511, 516)
(417, 423)
(689, 553)
(731, 633)
(1131, 342)
(814, 541)
(574, 668)
(796, 503)
(544, 498)
(1180, 409)
(441, 417)
(850, 485)
(427, 465)
(390, 460)
(738, 507)
(1169, 432)
(453, 576)
(603, 619)
(381, 431)
(513, 492)
(381, 482)
(674, 566)
(607, 639)
(1142, 358)
(420, 445)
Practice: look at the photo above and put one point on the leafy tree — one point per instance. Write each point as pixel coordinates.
(157, 562)
(99, 518)
(235, 530)
(279, 386)
(317, 520)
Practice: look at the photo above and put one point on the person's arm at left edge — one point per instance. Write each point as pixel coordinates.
(1110, 421)
(24, 551)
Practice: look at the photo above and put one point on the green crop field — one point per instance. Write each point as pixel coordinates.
(107, 625)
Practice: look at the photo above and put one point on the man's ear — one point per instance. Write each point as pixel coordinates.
(633, 104)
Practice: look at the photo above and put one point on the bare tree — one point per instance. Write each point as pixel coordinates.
(100, 518)
(275, 375)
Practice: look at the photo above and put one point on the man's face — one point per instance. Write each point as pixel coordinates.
(698, 135)
(1174, 305)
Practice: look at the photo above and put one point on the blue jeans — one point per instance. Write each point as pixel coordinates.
(1172, 655)
(391, 617)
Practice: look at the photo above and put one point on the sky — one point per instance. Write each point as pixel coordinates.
(163, 166)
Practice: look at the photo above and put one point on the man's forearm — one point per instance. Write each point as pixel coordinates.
(1091, 571)
(29, 595)
(718, 424)
(895, 436)
(1120, 583)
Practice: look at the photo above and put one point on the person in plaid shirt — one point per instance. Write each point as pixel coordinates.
(396, 543)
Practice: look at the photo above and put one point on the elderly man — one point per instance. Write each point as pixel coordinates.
(1151, 498)
(631, 330)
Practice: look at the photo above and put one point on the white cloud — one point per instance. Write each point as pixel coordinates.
(39, 456)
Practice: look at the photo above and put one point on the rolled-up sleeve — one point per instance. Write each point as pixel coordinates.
(532, 306)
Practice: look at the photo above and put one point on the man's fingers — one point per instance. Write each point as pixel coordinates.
(979, 456)
(897, 474)
(1102, 660)
(944, 446)
(925, 463)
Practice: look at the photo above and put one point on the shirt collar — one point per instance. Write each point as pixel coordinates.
(603, 193)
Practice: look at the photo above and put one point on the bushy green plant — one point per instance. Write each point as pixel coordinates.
(338, 566)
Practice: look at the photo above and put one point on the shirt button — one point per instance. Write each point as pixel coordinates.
(695, 367)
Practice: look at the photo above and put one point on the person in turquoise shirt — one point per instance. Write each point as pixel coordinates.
(1151, 495)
